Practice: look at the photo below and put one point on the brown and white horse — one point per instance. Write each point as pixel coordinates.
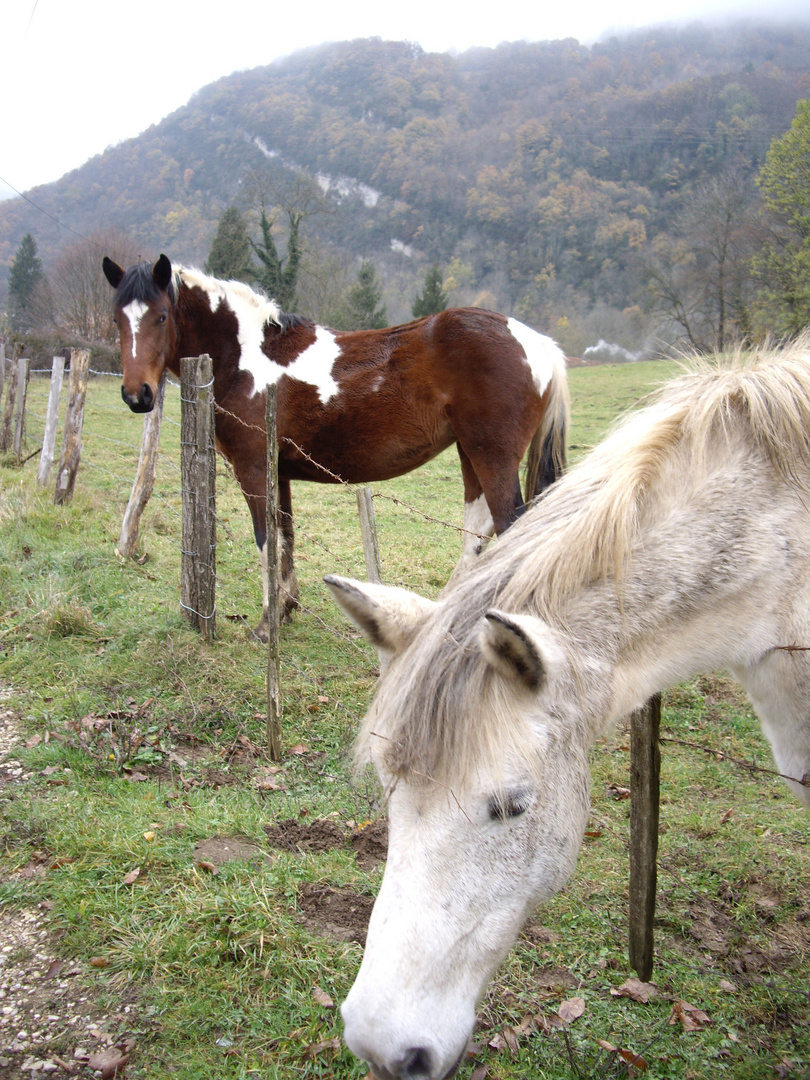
(361, 406)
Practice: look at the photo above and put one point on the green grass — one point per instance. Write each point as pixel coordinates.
(111, 684)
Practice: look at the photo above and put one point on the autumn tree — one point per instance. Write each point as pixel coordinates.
(433, 298)
(229, 257)
(783, 267)
(25, 276)
(79, 299)
(701, 278)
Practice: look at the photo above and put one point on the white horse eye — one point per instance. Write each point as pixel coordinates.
(502, 807)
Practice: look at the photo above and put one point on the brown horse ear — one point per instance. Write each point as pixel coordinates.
(519, 647)
(162, 273)
(389, 617)
(112, 271)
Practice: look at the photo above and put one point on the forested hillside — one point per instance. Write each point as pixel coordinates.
(546, 179)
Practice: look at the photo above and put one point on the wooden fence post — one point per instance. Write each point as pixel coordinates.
(6, 434)
(368, 531)
(198, 479)
(51, 420)
(271, 553)
(23, 367)
(72, 441)
(645, 774)
(145, 476)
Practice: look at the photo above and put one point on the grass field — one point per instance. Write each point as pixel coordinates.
(144, 754)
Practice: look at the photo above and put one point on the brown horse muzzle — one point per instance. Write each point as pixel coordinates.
(144, 402)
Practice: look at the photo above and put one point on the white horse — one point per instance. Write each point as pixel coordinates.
(680, 545)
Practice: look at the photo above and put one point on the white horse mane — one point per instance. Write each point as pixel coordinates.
(440, 713)
(261, 307)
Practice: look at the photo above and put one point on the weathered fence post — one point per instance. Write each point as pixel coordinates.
(6, 437)
(23, 367)
(145, 476)
(645, 774)
(198, 475)
(72, 440)
(51, 420)
(368, 531)
(271, 554)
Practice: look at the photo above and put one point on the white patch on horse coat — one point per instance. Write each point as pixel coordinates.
(314, 365)
(478, 523)
(134, 311)
(253, 311)
(542, 354)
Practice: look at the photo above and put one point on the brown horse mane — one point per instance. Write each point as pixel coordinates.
(440, 712)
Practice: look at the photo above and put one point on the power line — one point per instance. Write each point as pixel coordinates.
(31, 202)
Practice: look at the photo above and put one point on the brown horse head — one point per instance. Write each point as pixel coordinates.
(144, 315)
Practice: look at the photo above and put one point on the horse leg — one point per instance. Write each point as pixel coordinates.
(781, 700)
(288, 591)
(480, 520)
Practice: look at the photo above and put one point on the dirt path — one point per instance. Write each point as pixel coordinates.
(50, 1024)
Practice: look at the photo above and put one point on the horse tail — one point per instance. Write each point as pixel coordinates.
(548, 451)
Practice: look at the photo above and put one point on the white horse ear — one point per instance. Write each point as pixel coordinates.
(388, 616)
(520, 648)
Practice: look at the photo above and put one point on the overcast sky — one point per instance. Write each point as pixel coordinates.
(77, 76)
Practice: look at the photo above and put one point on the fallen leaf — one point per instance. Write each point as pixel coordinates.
(208, 867)
(132, 876)
(727, 987)
(611, 1049)
(480, 1073)
(322, 998)
(107, 1062)
(149, 835)
(299, 749)
(688, 1016)
(725, 817)
(270, 783)
(619, 792)
(571, 1009)
(511, 1037)
(98, 961)
(53, 969)
(318, 1048)
(636, 990)
(635, 1061)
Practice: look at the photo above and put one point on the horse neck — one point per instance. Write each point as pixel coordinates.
(700, 590)
(198, 330)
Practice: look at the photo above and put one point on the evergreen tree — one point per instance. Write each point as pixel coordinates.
(363, 308)
(784, 267)
(25, 274)
(278, 277)
(229, 257)
(433, 298)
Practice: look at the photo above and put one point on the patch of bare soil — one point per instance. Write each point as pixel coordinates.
(218, 850)
(338, 913)
(716, 930)
(369, 843)
(326, 911)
